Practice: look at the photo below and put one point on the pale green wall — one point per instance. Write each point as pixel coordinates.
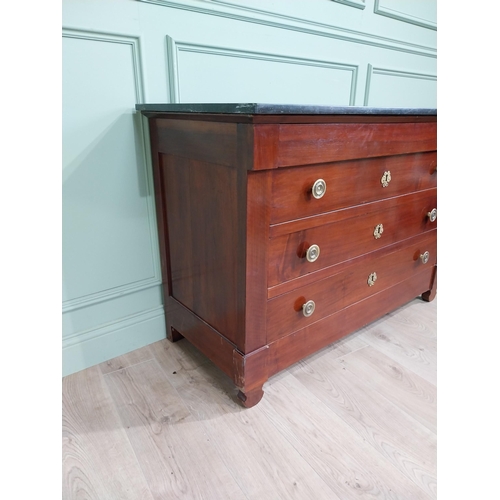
(117, 53)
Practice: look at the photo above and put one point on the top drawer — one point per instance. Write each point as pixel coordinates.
(321, 143)
(349, 183)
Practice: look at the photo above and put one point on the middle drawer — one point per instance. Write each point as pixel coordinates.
(339, 236)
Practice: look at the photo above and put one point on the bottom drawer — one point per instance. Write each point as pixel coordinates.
(366, 276)
(292, 348)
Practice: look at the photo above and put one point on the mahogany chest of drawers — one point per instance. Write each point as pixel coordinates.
(285, 228)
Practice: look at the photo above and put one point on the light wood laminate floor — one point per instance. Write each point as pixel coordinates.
(356, 420)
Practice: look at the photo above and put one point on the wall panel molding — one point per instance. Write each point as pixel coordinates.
(119, 324)
(172, 70)
(358, 4)
(107, 37)
(137, 67)
(282, 21)
(406, 17)
(94, 346)
(393, 73)
(174, 48)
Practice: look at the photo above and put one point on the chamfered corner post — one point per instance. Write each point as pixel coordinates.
(250, 373)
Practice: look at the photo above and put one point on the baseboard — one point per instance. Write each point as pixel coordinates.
(92, 347)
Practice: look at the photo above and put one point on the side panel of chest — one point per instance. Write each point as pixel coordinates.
(213, 219)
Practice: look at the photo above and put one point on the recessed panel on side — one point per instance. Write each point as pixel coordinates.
(203, 241)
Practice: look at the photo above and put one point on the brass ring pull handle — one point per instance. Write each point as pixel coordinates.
(425, 257)
(319, 189)
(308, 308)
(386, 178)
(371, 279)
(377, 232)
(312, 253)
(432, 214)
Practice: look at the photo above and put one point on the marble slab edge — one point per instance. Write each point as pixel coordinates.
(277, 109)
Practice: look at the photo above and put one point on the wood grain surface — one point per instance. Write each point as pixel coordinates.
(229, 201)
(97, 457)
(400, 385)
(340, 240)
(247, 441)
(349, 183)
(349, 286)
(356, 420)
(345, 460)
(203, 250)
(181, 462)
(320, 143)
(391, 431)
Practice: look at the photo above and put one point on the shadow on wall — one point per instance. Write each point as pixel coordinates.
(109, 227)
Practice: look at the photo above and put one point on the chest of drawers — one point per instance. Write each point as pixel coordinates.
(284, 228)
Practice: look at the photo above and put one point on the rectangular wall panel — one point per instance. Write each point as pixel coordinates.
(109, 240)
(239, 76)
(421, 12)
(110, 247)
(334, 19)
(391, 88)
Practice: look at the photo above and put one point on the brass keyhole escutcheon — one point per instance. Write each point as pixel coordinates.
(386, 178)
(371, 279)
(377, 232)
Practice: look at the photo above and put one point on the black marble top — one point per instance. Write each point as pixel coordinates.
(278, 109)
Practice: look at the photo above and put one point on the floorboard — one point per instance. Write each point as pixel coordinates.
(341, 456)
(97, 458)
(356, 420)
(260, 459)
(404, 442)
(178, 459)
(406, 338)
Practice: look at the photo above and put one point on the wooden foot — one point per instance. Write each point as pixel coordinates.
(429, 295)
(173, 335)
(250, 398)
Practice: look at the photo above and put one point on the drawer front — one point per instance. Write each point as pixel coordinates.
(371, 274)
(382, 223)
(292, 348)
(321, 143)
(349, 183)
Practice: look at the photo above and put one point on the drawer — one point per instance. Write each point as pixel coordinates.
(349, 183)
(351, 233)
(367, 275)
(301, 144)
(296, 346)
